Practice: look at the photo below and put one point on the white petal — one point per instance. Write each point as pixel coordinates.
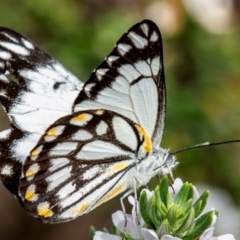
(137, 218)
(226, 237)
(149, 193)
(168, 237)
(207, 234)
(195, 194)
(176, 186)
(118, 220)
(149, 234)
(105, 236)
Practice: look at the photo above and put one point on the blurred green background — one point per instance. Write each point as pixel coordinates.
(202, 69)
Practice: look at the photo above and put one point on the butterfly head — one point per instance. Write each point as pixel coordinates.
(166, 162)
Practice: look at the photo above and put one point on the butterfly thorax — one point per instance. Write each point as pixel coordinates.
(158, 162)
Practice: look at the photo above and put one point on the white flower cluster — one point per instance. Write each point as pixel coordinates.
(134, 225)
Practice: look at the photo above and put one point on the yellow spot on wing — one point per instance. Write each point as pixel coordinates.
(100, 112)
(119, 167)
(79, 117)
(30, 172)
(81, 208)
(111, 194)
(34, 153)
(147, 140)
(52, 132)
(44, 212)
(29, 195)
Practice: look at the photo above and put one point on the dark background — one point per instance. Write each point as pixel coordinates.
(202, 68)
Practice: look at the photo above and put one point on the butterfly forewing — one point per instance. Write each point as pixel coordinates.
(35, 90)
(79, 163)
(130, 80)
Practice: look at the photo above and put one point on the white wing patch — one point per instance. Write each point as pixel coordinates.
(114, 98)
(137, 40)
(91, 173)
(121, 85)
(15, 48)
(145, 28)
(144, 68)
(66, 190)
(154, 37)
(129, 72)
(100, 73)
(99, 150)
(101, 128)
(57, 163)
(124, 133)
(123, 48)
(59, 177)
(146, 106)
(63, 148)
(112, 59)
(156, 65)
(13, 39)
(82, 135)
(27, 44)
(5, 55)
(7, 170)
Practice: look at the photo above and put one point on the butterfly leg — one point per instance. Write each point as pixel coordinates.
(123, 207)
(136, 203)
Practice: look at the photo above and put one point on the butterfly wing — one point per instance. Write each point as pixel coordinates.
(35, 90)
(130, 81)
(80, 162)
(77, 166)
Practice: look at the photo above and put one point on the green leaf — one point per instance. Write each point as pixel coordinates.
(105, 230)
(143, 205)
(187, 205)
(158, 216)
(158, 203)
(182, 196)
(163, 210)
(200, 204)
(115, 231)
(127, 236)
(91, 232)
(188, 221)
(157, 195)
(163, 189)
(170, 200)
(191, 192)
(152, 209)
(201, 224)
(155, 216)
(163, 229)
(172, 215)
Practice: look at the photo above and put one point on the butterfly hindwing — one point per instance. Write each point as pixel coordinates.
(130, 80)
(35, 90)
(79, 163)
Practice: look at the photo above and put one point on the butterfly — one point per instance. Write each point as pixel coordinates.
(73, 146)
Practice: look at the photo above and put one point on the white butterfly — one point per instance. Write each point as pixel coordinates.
(71, 146)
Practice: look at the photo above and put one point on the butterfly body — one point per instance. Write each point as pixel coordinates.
(72, 147)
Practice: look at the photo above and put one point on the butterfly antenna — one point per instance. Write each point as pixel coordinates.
(205, 144)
